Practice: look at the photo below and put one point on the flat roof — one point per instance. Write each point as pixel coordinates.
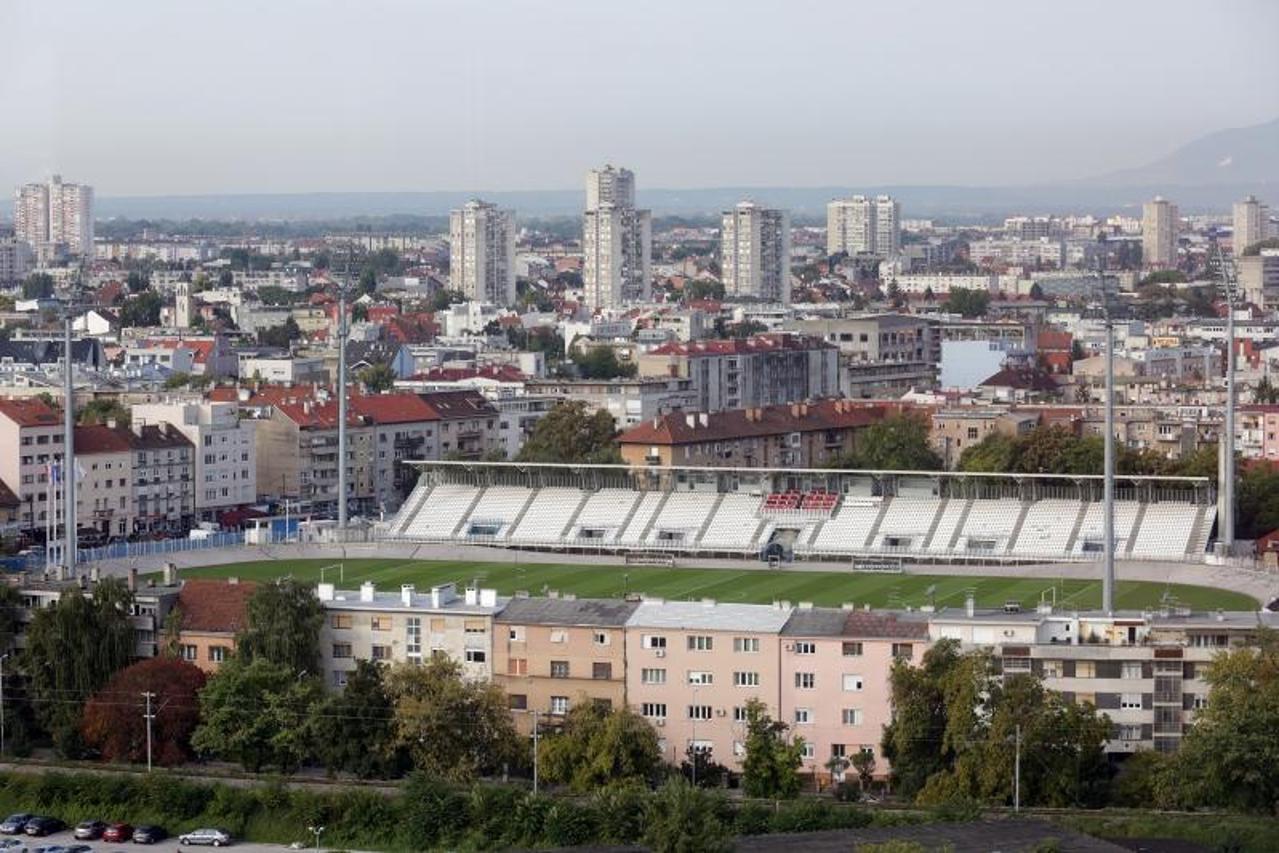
(709, 616)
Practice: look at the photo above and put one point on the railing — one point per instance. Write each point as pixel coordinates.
(126, 550)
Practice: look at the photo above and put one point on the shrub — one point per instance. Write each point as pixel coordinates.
(530, 819)
(569, 824)
(620, 809)
(752, 819)
(803, 816)
(434, 812)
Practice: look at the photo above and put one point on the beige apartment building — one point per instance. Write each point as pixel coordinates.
(30, 440)
(406, 627)
(552, 654)
(955, 430)
(104, 494)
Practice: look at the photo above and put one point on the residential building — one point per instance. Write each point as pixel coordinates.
(210, 615)
(297, 440)
(629, 401)
(551, 654)
(755, 253)
(1259, 278)
(941, 284)
(406, 627)
(104, 493)
(482, 253)
(1160, 224)
(468, 426)
(616, 241)
(954, 430)
(880, 355)
(283, 369)
(30, 442)
(864, 225)
(163, 479)
(151, 607)
(403, 426)
(57, 213)
(693, 666)
(835, 674)
(1251, 224)
(225, 451)
(799, 435)
(15, 261)
(765, 370)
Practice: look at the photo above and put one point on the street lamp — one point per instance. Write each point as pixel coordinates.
(317, 831)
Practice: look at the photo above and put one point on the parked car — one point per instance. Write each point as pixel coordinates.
(41, 825)
(77, 848)
(118, 833)
(149, 834)
(88, 830)
(15, 823)
(211, 837)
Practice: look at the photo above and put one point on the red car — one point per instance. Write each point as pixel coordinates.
(118, 833)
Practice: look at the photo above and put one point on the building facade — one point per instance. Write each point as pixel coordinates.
(57, 213)
(880, 355)
(616, 241)
(755, 253)
(864, 225)
(482, 253)
(1251, 222)
(1160, 224)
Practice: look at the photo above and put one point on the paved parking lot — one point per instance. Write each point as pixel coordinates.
(169, 845)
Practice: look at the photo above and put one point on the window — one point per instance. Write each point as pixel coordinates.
(559, 636)
(515, 634)
(653, 676)
(700, 643)
(699, 712)
(380, 623)
(517, 666)
(852, 683)
(805, 647)
(381, 653)
(803, 716)
(191, 653)
(852, 650)
(746, 679)
(837, 750)
(559, 669)
(339, 678)
(217, 654)
(739, 714)
(746, 644)
(653, 710)
(810, 751)
(903, 650)
(559, 704)
(1130, 701)
(413, 636)
(340, 620)
(701, 678)
(342, 650)
(653, 641)
(475, 626)
(601, 671)
(1128, 731)
(601, 638)
(476, 656)
(1200, 702)
(1131, 669)
(518, 701)
(1052, 669)
(852, 716)
(805, 680)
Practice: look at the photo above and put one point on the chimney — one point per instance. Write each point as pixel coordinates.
(794, 410)
(705, 419)
(325, 591)
(133, 579)
(366, 591)
(488, 598)
(233, 581)
(691, 420)
(170, 574)
(970, 604)
(472, 596)
(95, 574)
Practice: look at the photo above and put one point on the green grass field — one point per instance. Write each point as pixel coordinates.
(753, 586)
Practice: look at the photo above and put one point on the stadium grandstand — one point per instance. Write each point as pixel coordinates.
(805, 514)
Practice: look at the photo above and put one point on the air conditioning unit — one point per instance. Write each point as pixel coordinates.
(720, 712)
(790, 647)
(661, 653)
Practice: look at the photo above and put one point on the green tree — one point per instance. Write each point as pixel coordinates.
(99, 410)
(967, 303)
(450, 727)
(1257, 498)
(601, 363)
(684, 819)
(896, 443)
(597, 746)
(1164, 277)
(137, 282)
(354, 728)
(378, 378)
(914, 741)
(697, 289)
(864, 765)
(280, 336)
(273, 294)
(72, 649)
(283, 619)
(444, 298)
(38, 286)
(1255, 248)
(570, 432)
(1265, 392)
(772, 762)
(143, 310)
(259, 714)
(995, 453)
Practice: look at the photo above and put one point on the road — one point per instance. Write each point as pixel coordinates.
(64, 839)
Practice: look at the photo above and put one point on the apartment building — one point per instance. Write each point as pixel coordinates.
(104, 494)
(836, 693)
(1144, 670)
(297, 440)
(942, 284)
(1259, 278)
(1160, 223)
(880, 355)
(864, 225)
(211, 614)
(1251, 220)
(629, 401)
(468, 425)
(55, 213)
(151, 607)
(404, 426)
(552, 654)
(616, 241)
(755, 249)
(954, 430)
(15, 261)
(163, 477)
(407, 627)
(225, 450)
(765, 370)
(482, 253)
(692, 667)
(800, 435)
(30, 442)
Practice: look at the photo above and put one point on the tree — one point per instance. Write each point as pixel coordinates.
(597, 746)
(354, 728)
(72, 649)
(137, 282)
(995, 453)
(38, 286)
(864, 764)
(770, 768)
(1163, 277)
(378, 378)
(258, 713)
(1228, 758)
(968, 303)
(896, 443)
(280, 336)
(142, 310)
(602, 363)
(684, 819)
(1265, 392)
(570, 432)
(914, 741)
(99, 410)
(113, 723)
(1036, 292)
(283, 619)
(444, 298)
(1256, 248)
(450, 727)
(1258, 499)
(273, 294)
(894, 294)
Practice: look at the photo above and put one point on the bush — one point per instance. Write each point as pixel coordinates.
(846, 792)
(434, 812)
(620, 809)
(568, 824)
(803, 816)
(491, 810)
(753, 819)
(529, 819)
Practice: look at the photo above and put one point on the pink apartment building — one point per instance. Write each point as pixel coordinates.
(691, 667)
(835, 667)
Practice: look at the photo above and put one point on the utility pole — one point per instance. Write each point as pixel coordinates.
(342, 335)
(535, 740)
(68, 453)
(150, 717)
(1108, 472)
(1226, 516)
(1017, 775)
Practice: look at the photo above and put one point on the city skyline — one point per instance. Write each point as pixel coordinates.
(352, 125)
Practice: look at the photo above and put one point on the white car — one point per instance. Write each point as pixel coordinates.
(210, 837)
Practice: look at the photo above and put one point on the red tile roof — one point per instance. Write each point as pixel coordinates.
(100, 438)
(674, 428)
(215, 606)
(395, 408)
(30, 412)
(864, 623)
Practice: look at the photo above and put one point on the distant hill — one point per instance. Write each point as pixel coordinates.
(1237, 157)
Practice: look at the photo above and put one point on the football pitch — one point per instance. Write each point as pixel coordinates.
(755, 586)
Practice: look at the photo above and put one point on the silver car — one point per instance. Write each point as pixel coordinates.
(211, 837)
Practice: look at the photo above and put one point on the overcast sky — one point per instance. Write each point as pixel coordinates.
(159, 97)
